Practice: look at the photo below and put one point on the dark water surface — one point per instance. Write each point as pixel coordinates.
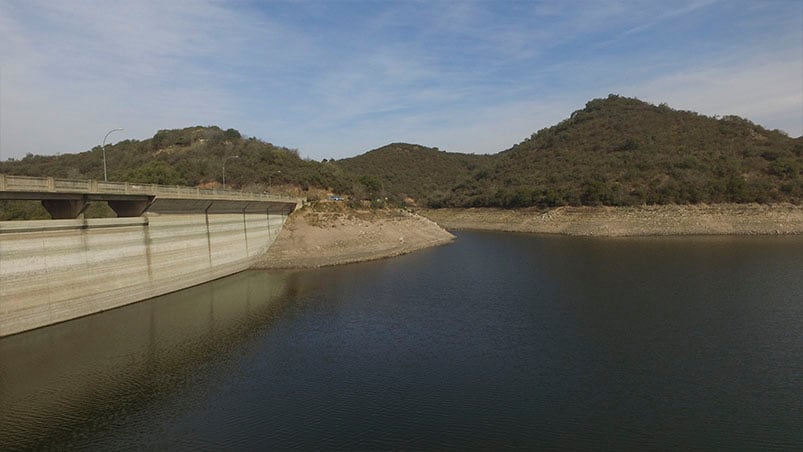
(496, 341)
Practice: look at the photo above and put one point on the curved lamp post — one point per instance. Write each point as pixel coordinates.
(224, 167)
(103, 147)
(269, 181)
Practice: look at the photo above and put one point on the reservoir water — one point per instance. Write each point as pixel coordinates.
(495, 341)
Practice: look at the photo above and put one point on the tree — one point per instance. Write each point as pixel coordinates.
(154, 172)
(232, 134)
(372, 185)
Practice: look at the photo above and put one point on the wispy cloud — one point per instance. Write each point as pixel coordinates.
(337, 78)
(77, 69)
(655, 18)
(766, 90)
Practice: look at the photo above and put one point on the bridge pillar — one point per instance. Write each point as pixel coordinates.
(61, 209)
(129, 208)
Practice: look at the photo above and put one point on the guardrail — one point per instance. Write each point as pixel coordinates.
(56, 185)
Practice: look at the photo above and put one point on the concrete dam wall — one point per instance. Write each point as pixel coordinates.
(57, 270)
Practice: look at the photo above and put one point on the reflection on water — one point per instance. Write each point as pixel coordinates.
(101, 367)
(497, 341)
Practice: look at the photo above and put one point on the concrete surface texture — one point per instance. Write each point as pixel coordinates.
(57, 270)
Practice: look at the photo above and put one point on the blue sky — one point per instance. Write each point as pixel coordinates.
(338, 78)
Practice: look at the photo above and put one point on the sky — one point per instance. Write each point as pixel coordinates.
(334, 79)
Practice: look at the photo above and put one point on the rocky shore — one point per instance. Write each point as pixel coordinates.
(719, 219)
(332, 234)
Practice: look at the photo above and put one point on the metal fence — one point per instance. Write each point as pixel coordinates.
(52, 184)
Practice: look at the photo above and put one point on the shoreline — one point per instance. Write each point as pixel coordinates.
(665, 220)
(332, 234)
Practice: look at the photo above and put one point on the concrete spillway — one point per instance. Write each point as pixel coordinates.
(56, 270)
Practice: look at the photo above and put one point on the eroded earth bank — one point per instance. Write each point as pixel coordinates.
(332, 234)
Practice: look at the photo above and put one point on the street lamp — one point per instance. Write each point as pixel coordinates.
(269, 176)
(224, 167)
(103, 147)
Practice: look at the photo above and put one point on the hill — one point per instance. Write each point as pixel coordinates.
(622, 151)
(190, 156)
(402, 171)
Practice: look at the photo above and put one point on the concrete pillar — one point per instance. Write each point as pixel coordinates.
(129, 208)
(62, 209)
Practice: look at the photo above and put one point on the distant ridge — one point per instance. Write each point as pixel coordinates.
(411, 170)
(615, 151)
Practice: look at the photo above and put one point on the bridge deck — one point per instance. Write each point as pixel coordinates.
(67, 198)
(25, 187)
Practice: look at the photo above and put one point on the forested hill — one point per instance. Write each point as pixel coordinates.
(190, 156)
(412, 171)
(615, 151)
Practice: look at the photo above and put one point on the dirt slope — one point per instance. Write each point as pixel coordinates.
(330, 234)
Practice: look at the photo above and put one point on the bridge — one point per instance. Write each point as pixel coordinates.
(67, 198)
(164, 238)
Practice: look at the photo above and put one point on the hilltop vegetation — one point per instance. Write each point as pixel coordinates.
(615, 151)
(403, 171)
(190, 156)
(620, 151)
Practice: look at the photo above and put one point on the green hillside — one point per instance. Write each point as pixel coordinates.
(401, 170)
(615, 151)
(190, 156)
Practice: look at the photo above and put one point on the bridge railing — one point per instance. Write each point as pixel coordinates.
(51, 184)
